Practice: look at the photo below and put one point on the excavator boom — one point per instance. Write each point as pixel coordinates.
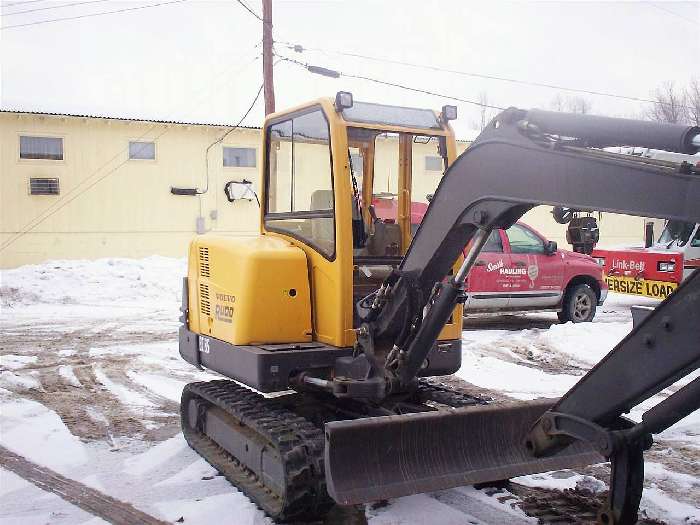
(523, 159)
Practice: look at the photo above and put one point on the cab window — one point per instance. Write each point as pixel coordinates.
(300, 199)
(523, 240)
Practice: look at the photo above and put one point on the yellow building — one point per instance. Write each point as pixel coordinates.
(87, 187)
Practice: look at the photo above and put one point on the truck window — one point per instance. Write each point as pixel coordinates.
(695, 243)
(300, 199)
(494, 244)
(523, 240)
(676, 231)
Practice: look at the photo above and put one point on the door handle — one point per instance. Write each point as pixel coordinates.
(480, 262)
(519, 263)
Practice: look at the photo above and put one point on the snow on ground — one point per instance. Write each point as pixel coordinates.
(90, 380)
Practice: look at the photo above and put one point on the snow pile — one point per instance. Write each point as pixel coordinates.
(586, 342)
(531, 363)
(153, 282)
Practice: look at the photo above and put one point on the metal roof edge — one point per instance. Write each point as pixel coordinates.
(123, 119)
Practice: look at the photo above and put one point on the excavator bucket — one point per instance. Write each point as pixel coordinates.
(391, 456)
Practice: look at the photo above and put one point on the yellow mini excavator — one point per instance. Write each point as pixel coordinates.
(345, 310)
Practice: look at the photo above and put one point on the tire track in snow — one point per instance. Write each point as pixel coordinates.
(91, 500)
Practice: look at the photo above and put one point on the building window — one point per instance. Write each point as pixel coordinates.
(140, 150)
(45, 148)
(239, 157)
(433, 163)
(42, 186)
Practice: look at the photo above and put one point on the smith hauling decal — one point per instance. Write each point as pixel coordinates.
(644, 287)
(502, 270)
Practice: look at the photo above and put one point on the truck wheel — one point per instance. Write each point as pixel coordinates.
(579, 304)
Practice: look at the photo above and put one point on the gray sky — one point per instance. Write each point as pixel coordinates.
(195, 60)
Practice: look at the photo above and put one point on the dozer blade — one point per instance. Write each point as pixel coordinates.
(391, 456)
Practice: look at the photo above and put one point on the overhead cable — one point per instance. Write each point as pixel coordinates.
(300, 49)
(336, 74)
(102, 13)
(53, 7)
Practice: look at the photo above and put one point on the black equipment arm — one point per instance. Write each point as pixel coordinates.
(515, 164)
(658, 352)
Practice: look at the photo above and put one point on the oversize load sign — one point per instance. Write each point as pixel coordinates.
(644, 287)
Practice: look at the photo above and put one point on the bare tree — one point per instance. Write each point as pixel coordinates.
(483, 100)
(668, 106)
(557, 103)
(691, 100)
(571, 104)
(579, 105)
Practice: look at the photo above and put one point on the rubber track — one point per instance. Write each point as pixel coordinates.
(299, 443)
(91, 500)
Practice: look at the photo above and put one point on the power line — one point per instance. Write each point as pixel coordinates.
(252, 104)
(22, 3)
(221, 139)
(92, 14)
(670, 12)
(247, 8)
(335, 74)
(54, 7)
(300, 49)
(36, 221)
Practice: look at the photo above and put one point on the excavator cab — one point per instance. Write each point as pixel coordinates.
(340, 185)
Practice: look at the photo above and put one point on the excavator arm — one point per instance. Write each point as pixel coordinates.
(522, 159)
(519, 161)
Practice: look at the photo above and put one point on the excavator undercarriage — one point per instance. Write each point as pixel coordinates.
(362, 425)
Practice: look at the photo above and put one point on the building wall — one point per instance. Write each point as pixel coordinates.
(110, 206)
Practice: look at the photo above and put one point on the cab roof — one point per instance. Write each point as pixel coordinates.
(382, 114)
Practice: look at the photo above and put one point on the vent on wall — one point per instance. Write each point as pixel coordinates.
(43, 186)
(203, 261)
(204, 305)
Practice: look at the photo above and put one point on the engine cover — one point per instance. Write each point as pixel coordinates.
(248, 290)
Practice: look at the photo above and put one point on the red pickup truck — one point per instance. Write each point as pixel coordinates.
(520, 270)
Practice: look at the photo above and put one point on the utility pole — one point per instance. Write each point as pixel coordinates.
(269, 86)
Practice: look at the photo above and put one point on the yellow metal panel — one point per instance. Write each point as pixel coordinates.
(331, 280)
(404, 204)
(249, 291)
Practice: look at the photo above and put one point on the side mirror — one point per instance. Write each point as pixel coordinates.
(550, 248)
(240, 190)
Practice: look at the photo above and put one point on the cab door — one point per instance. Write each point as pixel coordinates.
(537, 277)
(487, 286)
(306, 200)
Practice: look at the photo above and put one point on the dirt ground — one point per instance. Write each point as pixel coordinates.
(89, 376)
